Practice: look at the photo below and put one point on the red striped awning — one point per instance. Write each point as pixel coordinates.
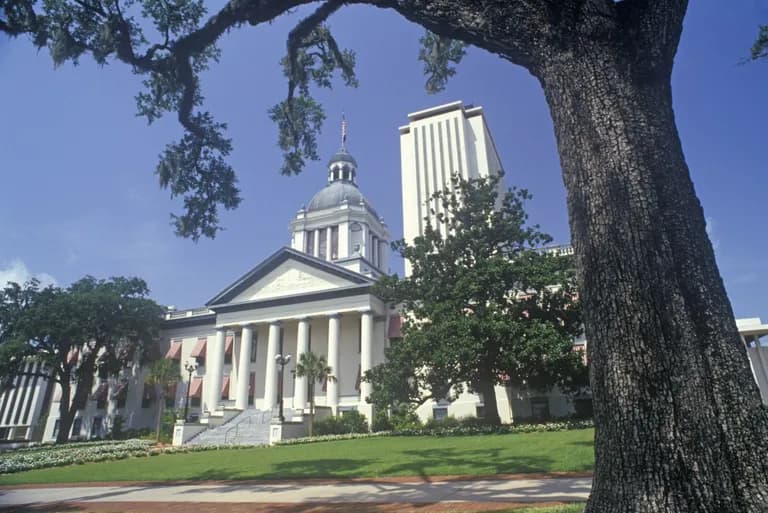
(199, 350)
(228, 345)
(72, 356)
(101, 392)
(225, 388)
(196, 388)
(174, 352)
(395, 329)
(120, 391)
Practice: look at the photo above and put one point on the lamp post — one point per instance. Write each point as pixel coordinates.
(282, 361)
(190, 367)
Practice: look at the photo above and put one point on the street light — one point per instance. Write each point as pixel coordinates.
(282, 361)
(190, 367)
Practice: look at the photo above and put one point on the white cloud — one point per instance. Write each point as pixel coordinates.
(18, 272)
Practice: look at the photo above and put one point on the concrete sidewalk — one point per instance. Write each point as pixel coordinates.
(566, 489)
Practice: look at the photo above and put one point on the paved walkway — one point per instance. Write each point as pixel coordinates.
(507, 491)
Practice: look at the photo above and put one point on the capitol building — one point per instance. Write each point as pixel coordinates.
(314, 294)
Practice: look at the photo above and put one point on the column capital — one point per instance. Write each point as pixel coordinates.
(306, 318)
(276, 323)
(336, 315)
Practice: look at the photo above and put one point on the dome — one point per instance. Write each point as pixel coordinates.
(342, 156)
(333, 194)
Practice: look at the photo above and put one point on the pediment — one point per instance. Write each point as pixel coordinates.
(288, 273)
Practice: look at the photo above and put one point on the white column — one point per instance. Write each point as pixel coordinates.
(328, 247)
(302, 346)
(215, 366)
(270, 377)
(243, 367)
(334, 339)
(316, 248)
(366, 362)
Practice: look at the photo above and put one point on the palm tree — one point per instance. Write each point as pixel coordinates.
(162, 374)
(316, 370)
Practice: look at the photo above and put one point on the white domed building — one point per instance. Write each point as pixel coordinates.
(312, 296)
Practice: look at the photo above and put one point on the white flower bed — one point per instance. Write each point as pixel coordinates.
(69, 454)
(78, 453)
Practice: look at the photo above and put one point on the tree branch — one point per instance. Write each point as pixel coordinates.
(653, 28)
(516, 30)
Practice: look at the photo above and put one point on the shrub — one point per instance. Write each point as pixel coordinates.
(381, 422)
(118, 423)
(446, 422)
(405, 418)
(349, 422)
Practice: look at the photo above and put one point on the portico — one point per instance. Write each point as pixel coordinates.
(253, 374)
(312, 296)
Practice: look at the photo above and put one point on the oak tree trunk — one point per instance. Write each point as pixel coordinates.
(490, 411)
(679, 422)
(66, 414)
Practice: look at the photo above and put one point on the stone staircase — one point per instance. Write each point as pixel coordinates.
(249, 427)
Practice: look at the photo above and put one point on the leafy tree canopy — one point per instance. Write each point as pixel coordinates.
(170, 44)
(483, 305)
(92, 325)
(760, 48)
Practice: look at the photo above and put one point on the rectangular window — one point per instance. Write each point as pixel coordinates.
(309, 242)
(96, 427)
(322, 247)
(540, 408)
(4, 433)
(254, 345)
(147, 396)
(77, 426)
(334, 242)
(439, 413)
(56, 428)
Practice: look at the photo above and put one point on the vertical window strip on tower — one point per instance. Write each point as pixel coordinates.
(334, 242)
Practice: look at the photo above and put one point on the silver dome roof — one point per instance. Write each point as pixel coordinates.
(333, 194)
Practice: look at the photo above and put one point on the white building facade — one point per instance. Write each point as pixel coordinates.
(315, 295)
(436, 144)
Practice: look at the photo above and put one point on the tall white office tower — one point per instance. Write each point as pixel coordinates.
(435, 144)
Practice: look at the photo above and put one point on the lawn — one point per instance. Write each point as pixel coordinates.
(371, 457)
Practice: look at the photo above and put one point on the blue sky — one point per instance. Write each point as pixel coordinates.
(79, 194)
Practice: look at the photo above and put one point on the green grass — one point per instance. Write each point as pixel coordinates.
(569, 508)
(372, 457)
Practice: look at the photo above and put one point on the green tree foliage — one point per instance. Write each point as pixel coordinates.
(92, 325)
(760, 48)
(162, 373)
(316, 369)
(482, 305)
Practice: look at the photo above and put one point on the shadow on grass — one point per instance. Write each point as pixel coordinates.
(316, 468)
(424, 462)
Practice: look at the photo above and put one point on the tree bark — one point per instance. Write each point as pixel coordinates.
(66, 416)
(491, 412)
(161, 407)
(678, 417)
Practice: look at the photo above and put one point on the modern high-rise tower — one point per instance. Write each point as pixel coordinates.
(436, 144)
